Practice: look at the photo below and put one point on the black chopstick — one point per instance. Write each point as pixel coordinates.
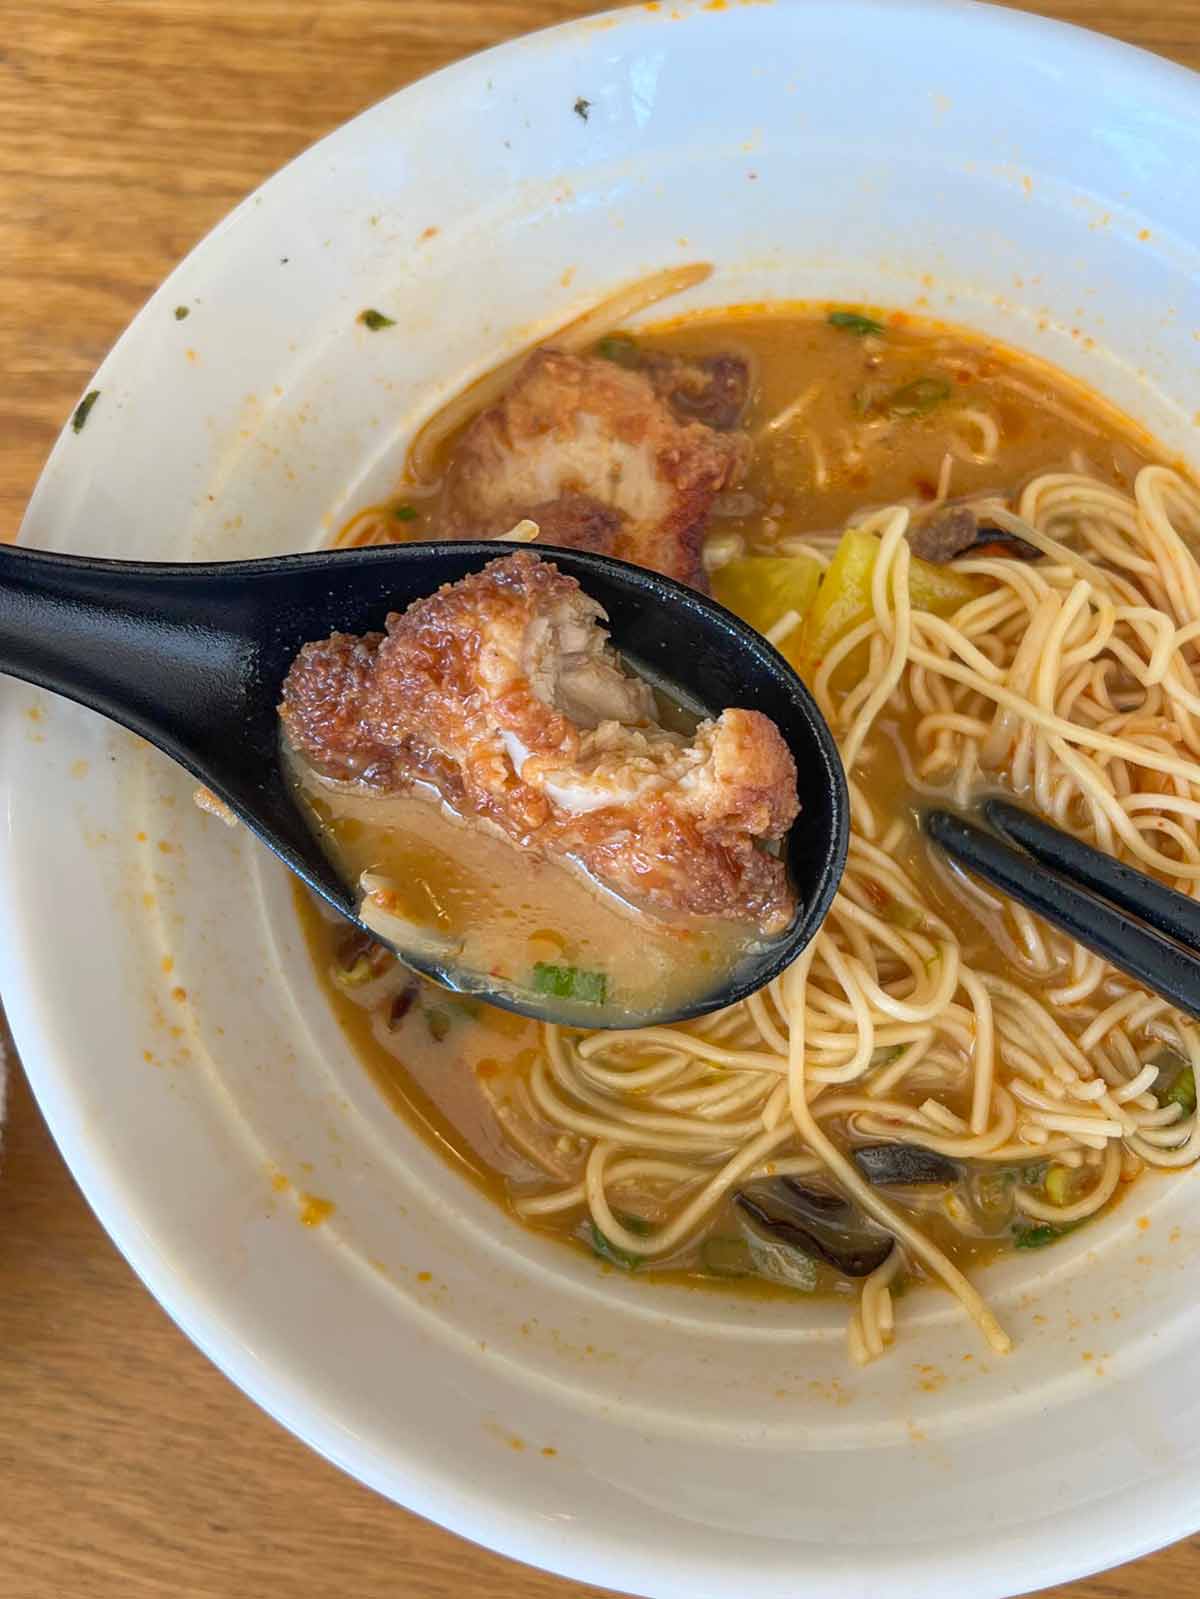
(1123, 886)
(1165, 966)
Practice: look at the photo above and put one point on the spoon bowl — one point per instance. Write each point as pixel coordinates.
(193, 656)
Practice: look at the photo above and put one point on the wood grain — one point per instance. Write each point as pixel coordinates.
(130, 1467)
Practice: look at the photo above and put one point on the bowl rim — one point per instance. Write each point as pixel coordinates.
(1005, 1559)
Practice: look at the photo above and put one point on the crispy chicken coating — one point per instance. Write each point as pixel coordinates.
(597, 455)
(503, 693)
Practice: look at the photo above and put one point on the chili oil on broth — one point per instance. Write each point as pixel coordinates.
(820, 456)
(457, 1071)
(830, 442)
(826, 446)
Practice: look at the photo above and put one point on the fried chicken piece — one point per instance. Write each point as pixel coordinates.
(503, 693)
(592, 453)
(713, 389)
(578, 522)
(328, 698)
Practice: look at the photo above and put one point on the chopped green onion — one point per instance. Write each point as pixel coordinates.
(782, 1263)
(180, 312)
(726, 1257)
(1038, 1237)
(917, 398)
(885, 1055)
(607, 1250)
(570, 982)
(375, 320)
(1181, 1092)
(405, 513)
(354, 976)
(854, 322)
(902, 915)
(621, 348)
(83, 410)
(1059, 1180)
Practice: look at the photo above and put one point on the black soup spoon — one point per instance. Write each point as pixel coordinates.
(193, 657)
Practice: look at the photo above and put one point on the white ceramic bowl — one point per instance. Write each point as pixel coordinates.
(1022, 178)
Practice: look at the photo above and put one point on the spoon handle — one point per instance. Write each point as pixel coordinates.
(128, 640)
(188, 656)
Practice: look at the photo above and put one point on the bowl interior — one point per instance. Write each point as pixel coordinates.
(1031, 182)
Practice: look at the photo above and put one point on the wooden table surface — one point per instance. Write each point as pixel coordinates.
(129, 1467)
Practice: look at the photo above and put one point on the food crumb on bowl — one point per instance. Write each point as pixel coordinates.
(207, 801)
(314, 1210)
(513, 1440)
(83, 410)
